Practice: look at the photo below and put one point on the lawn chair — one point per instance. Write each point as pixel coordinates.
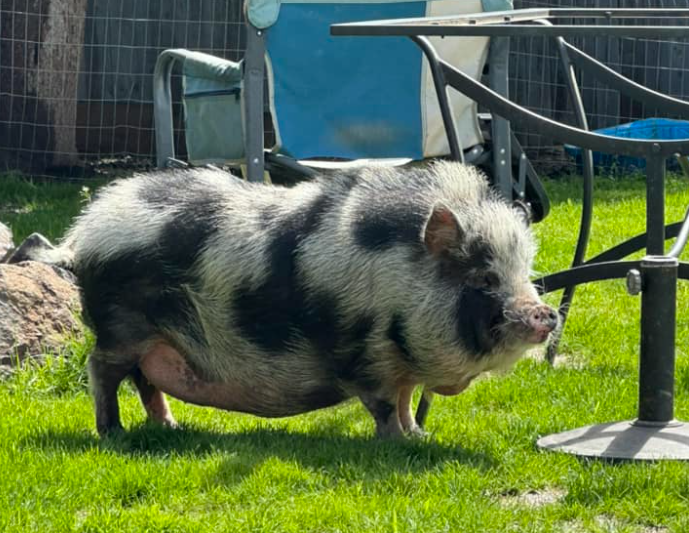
(350, 101)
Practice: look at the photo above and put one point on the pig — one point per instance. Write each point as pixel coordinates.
(277, 301)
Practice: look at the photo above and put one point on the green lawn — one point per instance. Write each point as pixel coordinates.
(479, 471)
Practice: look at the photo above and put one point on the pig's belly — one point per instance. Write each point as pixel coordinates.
(166, 369)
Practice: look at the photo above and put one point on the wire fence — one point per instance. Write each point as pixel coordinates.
(76, 77)
(538, 82)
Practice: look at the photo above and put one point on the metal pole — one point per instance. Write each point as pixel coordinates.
(657, 360)
(658, 304)
(655, 202)
(423, 408)
(253, 103)
(587, 201)
(655, 434)
(162, 108)
(502, 142)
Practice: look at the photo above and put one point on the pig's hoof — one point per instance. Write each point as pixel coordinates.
(170, 423)
(110, 431)
(391, 435)
(416, 432)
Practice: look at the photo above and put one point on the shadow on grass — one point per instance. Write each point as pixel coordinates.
(323, 450)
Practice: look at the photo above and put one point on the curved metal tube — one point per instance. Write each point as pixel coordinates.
(541, 211)
(594, 272)
(636, 243)
(682, 238)
(441, 91)
(587, 200)
(275, 161)
(625, 85)
(594, 141)
(162, 105)
(578, 104)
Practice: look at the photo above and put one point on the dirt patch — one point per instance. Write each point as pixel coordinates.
(561, 360)
(533, 498)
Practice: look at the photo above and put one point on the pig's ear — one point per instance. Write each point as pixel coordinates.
(524, 211)
(442, 230)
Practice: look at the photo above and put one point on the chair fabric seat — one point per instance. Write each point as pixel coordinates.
(211, 90)
(358, 98)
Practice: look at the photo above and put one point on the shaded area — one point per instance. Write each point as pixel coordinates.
(321, 450)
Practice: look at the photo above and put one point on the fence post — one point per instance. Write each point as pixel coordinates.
(39, 63)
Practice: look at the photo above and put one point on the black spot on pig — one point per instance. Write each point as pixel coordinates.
(196, 207)
(317, 322)
(266, 217)
(381, 410)
(325, 396)
(353, 364)
(397, 334)
(385, 226)
(164, 189)
(263, 316)
(278, 312)
(184, 237)
(479, 255)
(345, 182)
(467, 267)
(478, 313)
(146, 287)
(143, 300)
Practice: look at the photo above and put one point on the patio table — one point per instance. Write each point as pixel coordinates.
(655, 434)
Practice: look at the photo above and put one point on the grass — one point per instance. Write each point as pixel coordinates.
(479, 471)
(28, 206)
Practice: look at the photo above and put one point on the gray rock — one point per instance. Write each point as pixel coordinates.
(38, 308)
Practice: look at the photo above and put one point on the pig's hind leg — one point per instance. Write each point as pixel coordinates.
(392, 412)
(152, 399)
(383, 408)
(105, 378)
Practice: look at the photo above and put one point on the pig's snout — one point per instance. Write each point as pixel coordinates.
(541, 319)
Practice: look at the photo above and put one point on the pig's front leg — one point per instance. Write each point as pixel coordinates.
(404, 411)
(383, 408)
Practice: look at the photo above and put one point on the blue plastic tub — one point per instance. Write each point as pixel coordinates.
(650, 128)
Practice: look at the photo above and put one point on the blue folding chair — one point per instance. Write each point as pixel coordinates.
(343, 99)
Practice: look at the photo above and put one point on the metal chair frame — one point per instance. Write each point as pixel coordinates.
(656, 275)
(504, 144)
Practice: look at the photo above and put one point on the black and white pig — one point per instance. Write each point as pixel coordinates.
(277, 301)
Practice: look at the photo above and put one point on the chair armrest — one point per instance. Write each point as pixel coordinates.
(195, 63)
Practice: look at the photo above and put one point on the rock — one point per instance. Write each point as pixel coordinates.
(38, 308)
(6, 243)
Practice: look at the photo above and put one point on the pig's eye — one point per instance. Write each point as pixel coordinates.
(490, 281)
